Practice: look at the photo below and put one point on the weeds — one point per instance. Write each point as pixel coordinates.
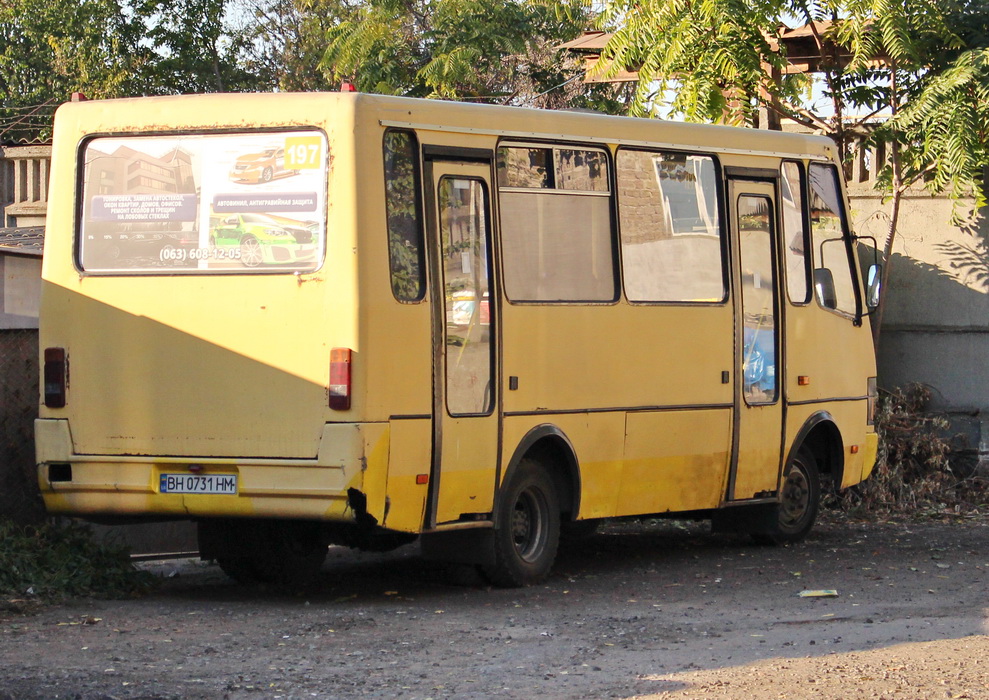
(55, 562)
(914, 473)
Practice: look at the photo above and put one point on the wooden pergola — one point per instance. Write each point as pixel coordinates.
(806, 48)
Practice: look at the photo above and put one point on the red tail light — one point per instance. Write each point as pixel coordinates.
(56, 373)
(340, 379)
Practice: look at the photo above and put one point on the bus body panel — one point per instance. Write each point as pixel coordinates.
(849, 419)
(833, 354)
(666, 469)
(159, 380)
(676, 359)
(408, 474)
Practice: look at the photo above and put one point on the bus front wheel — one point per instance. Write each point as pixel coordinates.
(799, 502)
(528, 528)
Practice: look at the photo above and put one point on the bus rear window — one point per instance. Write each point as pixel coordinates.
(203, 203)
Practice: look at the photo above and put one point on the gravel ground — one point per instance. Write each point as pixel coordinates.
(653, 609)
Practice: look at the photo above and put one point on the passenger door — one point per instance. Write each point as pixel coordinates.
(465, 359)
(757, 444)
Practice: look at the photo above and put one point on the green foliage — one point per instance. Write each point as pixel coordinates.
(923, 61)
(195, 47)
(116, 48)
(49, 50)
(497, 51)
(489, 50)
(713, 53)
(948, 126)
(286, 40)
(56, 562)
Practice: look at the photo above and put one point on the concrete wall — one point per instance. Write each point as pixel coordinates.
(936, 322)
(20, 291)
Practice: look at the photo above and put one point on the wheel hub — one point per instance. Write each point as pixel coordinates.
(796, 497)
(527, 527)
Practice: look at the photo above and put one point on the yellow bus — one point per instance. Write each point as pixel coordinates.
(307, 319)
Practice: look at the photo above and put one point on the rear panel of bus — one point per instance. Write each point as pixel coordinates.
(200, 276)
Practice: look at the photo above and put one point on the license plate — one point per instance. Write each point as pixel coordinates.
(199, 483)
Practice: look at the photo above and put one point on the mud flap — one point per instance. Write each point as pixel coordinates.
(473, 546)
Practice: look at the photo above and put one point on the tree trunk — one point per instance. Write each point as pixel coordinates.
(894, 212)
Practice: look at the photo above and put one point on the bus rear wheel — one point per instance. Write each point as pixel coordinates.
(281, 552)
(528, 528)
(799, 502)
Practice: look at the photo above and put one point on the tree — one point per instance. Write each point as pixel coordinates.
(197, 47)
(500, 51)
(49, 50)
(288, 40)
(119, 48)
(921, 63)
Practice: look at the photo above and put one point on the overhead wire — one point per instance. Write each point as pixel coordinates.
(27, 117)
(24, 108)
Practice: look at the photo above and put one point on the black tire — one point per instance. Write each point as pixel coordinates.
(799, 501)
(283, 552)
(527, 534)
(266, 174)
(292, 555)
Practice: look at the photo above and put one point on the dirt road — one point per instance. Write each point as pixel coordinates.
(653, 609)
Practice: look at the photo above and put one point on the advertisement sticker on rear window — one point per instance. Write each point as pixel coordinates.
(252, 202)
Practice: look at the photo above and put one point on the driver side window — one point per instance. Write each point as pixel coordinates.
(834, 285)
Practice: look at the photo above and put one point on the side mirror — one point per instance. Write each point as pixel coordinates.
(873, 274)
(873, 285)
(824, 288)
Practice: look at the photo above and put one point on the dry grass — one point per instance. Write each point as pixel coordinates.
(918, 470)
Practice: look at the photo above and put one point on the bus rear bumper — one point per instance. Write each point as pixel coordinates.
(128, 486)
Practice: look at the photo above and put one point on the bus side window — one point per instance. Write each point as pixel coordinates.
(404, 212)
(795, 244)
(556, 227)
(834, 283)
(670, 227)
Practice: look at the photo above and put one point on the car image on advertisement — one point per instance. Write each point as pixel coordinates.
(263, 240)
(263, 166)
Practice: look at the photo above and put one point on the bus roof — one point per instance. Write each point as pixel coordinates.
(242, 110)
